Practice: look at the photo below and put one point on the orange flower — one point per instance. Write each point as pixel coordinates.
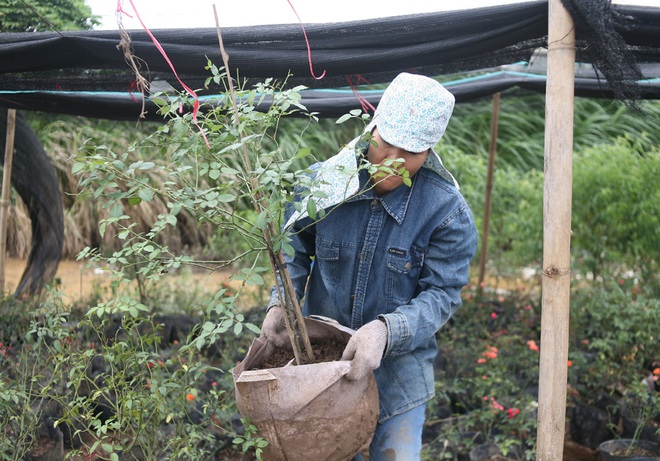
(190, 397)
(532, 345)
(570, 363)
(656, 371)
(481, 360)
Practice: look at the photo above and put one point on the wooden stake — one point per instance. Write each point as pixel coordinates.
(557, 194)
(6, 186)
(492, 150)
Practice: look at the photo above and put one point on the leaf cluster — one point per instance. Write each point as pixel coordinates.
(45, 15)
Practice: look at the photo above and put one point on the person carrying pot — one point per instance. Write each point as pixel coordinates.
(390, 256)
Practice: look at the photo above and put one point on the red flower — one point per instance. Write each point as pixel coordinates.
(512, 412)
(496, 406)
(493, 315)
(532, 345)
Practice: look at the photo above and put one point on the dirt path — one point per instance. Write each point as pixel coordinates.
(77, 281)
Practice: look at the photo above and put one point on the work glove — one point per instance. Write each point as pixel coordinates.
(274, 328)
(365, 349)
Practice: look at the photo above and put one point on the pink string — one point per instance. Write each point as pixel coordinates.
(309, 50)
(366, 105)
(164, 54)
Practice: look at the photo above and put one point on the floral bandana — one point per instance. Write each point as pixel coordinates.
(413, 112)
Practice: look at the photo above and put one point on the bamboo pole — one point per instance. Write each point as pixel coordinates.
(557, 195)
(4, 199)
(492, 150)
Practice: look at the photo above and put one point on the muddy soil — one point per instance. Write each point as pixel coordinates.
(327, 351)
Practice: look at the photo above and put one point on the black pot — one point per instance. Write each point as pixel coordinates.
(489, 451)
(613, 450)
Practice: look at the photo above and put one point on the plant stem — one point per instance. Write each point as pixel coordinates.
(293, 318)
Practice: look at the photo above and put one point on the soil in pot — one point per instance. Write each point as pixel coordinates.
(324, 351)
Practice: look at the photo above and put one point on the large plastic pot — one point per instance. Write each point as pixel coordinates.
(616, 450)
(307, 412)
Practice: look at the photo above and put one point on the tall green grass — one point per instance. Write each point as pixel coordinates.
(464, 149)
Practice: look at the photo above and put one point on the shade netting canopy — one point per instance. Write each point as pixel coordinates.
(86, 72)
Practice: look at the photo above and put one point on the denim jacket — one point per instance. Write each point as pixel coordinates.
(402, 257)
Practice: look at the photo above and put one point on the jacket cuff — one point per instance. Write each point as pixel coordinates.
(398, 333)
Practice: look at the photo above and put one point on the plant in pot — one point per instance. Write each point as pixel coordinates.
(303, 406)
(639, 416)
(223, 167)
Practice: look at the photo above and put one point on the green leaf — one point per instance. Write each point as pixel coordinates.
(229, 171)
(78, 167)
(311, 208)
(261, 222)
(134, 201)
(343, 118)
(238, 328)
(226, 198)
(171, 220)
(116, 211)
(146, 194)
(303, 152)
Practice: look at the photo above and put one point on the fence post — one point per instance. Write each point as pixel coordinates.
(557, 195)
(6, 187)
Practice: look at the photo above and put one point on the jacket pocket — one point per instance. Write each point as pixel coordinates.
(327, 258)
(404, 266)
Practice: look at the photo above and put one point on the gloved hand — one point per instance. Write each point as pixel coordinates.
(365, 349)
(273, 327)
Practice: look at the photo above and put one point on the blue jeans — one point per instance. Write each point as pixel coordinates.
(399, 438)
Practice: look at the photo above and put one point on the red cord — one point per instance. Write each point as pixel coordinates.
(309, 50)
(366, 105)
(162, 52)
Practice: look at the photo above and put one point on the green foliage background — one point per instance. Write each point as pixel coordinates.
(45, 15)
(615, 193)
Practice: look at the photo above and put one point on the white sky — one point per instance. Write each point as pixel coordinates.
(160, 14)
